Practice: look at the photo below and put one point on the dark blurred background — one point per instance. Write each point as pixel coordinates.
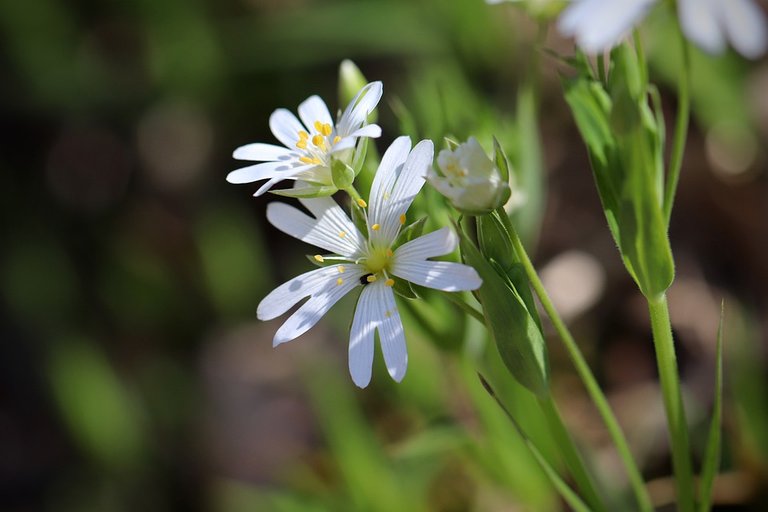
(133, 372)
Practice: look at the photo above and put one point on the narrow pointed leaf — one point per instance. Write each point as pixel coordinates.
(712, 453)
(306, 192)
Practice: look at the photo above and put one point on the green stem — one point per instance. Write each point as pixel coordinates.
(582, 368)
(355, 195)
(459, 301)
(673, 401)
(571, 455)
(565, 491)
(681, 130)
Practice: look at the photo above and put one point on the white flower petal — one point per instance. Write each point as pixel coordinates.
(359, 108)
(323, 232)
(391, 332)
(314, 109)
(281, 175)
(745, 25)
(437, 243)
(369, 130)
(288, 294)
(318, 305)
(261, 172)
(259, 152)
(440, 275)
(408, 182)
(361, 337)
(698, 20)
(285, 127)
(385, 177)
(597, 25)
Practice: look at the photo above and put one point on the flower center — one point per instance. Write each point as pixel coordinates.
(378, 260)
(316, 148)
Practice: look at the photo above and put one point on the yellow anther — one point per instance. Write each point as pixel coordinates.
(388, 313)
(336, 139)
(342, 234)
(402, 219)
(319, 258)
(371, 278)
(326, 129)
(361, 203)
(376, 227)
(341, 269)
(318, 141)
(390, 282)
(303, 135)
(390, 253)
(339, 281)
(386, 195)
(302, 144)
(307, 160)
(318, 126)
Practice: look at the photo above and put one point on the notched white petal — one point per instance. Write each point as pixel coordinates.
(437, 243)
(314, 109)
(259, 152)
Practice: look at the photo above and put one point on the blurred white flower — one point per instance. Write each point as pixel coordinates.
(367, 259)
(470, 180)
(598, 25)
(310, 146)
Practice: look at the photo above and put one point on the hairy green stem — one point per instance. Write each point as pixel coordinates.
(673, 401)
(582, 368)
(681, 130)
(573, 459)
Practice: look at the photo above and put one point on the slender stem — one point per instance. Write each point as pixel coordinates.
(565, 491)
(354, 194)
(459, 301)
(681, 130)
(582, 368)
(673, 401)
(573, 458)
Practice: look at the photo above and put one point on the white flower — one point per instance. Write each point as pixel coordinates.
(599, 25)
(310, 146)
(369, 260)
(470, 179)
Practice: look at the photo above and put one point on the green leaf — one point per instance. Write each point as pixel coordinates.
(712, 453)
(500, 159)
(516, 333)
(342, 175)
(306, 192)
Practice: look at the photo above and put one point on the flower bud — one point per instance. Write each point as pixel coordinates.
(470, 180)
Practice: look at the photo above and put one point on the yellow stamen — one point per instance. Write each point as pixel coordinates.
(342, 234)
(303, 135)
(341, 269)
(307, 160)
(386, 195)
(302, 144)
(339, 281)
(402, 219)
(390, 282)
(336, 139)
(318, 141)
(371, 278)
(388, 313)
(376, 227)
(318, 126)
(361, 203)
(319, 258)
(326, 129)
(389, 253)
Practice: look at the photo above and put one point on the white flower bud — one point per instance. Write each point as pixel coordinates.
(470, 180)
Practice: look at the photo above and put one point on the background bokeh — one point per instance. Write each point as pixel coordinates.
(133, 372)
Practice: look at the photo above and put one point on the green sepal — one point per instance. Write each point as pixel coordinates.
(359, 160)
(306, 192)
(342, 175)
(410, 232)
(404, 289)
(518, 337)
(358, 217)
(450, 144)
(501, 161)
